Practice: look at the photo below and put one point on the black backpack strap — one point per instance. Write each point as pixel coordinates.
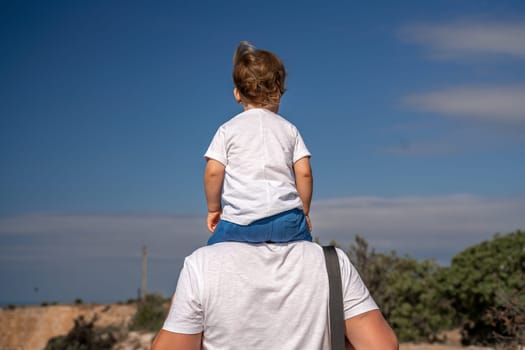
(337, 322)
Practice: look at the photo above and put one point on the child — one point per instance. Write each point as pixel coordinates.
(258, 161)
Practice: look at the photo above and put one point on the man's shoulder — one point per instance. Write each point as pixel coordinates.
(246, 249)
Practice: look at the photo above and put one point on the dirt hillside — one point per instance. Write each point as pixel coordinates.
(30, 327)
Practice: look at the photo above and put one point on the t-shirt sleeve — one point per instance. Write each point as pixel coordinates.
(356, 297)
(186, 314)
(217, 148)
(300, 150)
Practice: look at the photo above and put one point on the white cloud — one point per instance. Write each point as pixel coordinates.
(103, 235)
(401, 223)
(498, 103)
(426, 227)
(469, 38)
(97, 257)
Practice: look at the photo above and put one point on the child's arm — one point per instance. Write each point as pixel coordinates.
(213, 179)
(304, 183)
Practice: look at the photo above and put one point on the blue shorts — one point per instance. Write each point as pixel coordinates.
(284, 227)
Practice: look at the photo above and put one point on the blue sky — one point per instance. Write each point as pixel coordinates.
(414, 113)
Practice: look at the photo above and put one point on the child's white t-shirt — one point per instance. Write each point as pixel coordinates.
(258, 148)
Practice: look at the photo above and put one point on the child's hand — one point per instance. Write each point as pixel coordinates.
(309, 223)
(213, 219)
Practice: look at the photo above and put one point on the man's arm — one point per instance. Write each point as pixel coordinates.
(166, 340)
(213, 179)
(304, 183)
(370, 331)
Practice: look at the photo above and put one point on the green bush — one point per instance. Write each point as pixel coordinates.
(484, 284)
(84, 336)
(407, 291)
(509, 319)
(482, 291)
(150, 313)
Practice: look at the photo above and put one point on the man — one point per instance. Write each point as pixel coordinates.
(265, 296)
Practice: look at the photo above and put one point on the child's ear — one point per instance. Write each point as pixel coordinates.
(237, 95)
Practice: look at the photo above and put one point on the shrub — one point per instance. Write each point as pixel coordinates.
(407, 291)
(150, 313)
(483, 284)
(84, 336)
(509, 319)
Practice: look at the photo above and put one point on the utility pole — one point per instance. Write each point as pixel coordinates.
(144, 276)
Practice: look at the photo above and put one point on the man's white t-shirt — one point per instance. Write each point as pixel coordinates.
(258, 149)
(262, 296)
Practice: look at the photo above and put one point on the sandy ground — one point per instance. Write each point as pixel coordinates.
(30, 327)
(410, 346)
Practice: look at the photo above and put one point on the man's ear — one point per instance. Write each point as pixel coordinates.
(237, 95)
